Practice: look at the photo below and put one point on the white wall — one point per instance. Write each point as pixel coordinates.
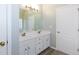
(13, 29)
(49, 20)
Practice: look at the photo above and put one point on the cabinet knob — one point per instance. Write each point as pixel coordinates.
(39, 43)
(58, 32)
(25, 49)
(46, 40)
(28, 47)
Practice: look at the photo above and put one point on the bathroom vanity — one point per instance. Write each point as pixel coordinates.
(32, 43)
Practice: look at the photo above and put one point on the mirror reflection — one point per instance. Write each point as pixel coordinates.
(30, 17)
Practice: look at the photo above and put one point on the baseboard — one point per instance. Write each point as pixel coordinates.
(53, 47)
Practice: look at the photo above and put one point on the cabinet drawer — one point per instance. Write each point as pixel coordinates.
(26, 51)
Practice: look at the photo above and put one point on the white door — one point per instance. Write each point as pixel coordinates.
(31, 46)
(67, 29)
(3, 30)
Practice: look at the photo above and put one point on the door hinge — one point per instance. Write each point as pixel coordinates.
(78, 30)
(7, 41)
(78, 9)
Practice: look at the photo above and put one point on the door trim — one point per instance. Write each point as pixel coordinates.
(9, 29)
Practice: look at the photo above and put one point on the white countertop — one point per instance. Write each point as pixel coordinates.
(33, 34)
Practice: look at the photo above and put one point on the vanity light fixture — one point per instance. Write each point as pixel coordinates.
(31, 6)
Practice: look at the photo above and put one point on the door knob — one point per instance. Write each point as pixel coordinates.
(2, 43)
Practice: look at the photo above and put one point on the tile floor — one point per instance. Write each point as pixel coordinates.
(50, 51)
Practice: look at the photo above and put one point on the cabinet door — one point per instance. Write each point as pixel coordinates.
(26, 50)
(37, 45)
(31, 47)
(43, 44)
(38, 49)
(31, 50)
(46, 41)
(67, 29)
(21, 48)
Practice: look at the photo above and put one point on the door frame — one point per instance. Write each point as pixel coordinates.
(9, 43)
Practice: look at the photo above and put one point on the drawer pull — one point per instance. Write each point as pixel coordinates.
(25, 49)
(28, 47)
(39, 43)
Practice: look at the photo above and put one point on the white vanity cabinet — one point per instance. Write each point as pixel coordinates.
(34, 45)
